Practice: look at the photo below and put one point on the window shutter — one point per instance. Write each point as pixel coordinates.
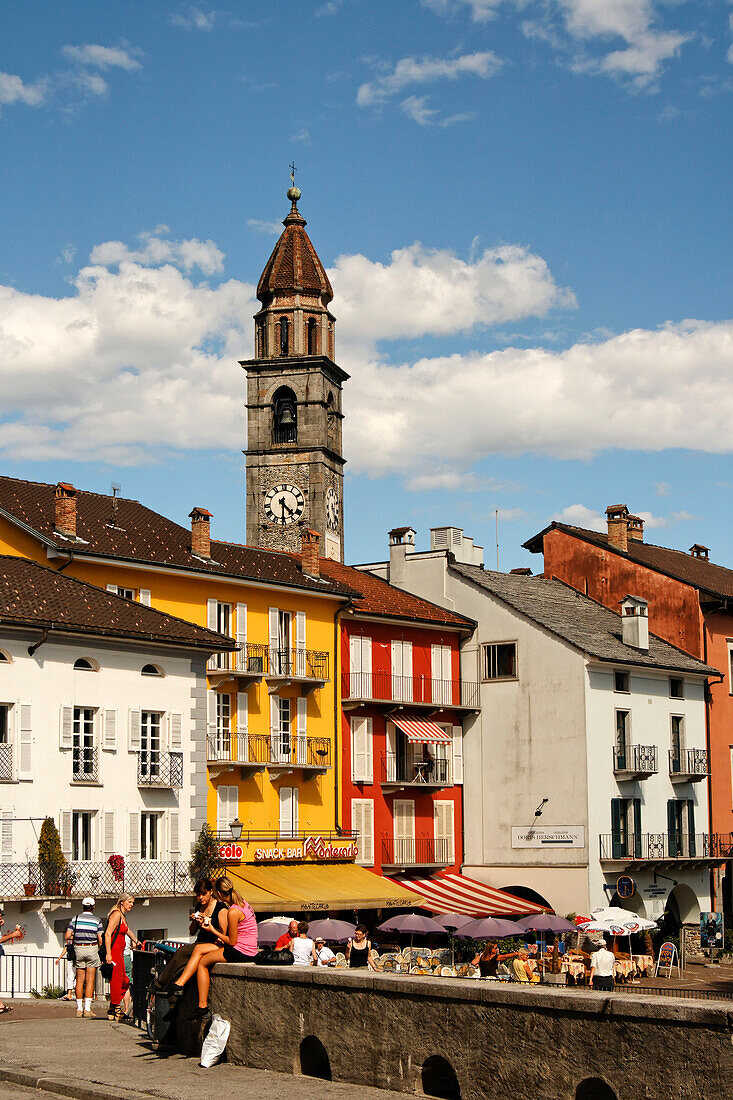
(691, 824)
(6, 836)
(112, 588)
(287, 813)
(436, 662)
(133, 731)
(108, 840)
(672, 835)
(637, 827)
(175, 731)
(617, 844)
(273, 623)
(66, 727)
(109, 730)
(357, 825)
(457, 755)
(242, 714)
(25, 743)
(227, 807)
(211, 712)
(174, 831)
(145, 597)
(407, 669)
(443, 826)
(133, 837)
(274, 716)
(211, 617)
(300, 643)
(362, 822)
(241, 636)
(358, 749)
(301, 729)
(65, 832)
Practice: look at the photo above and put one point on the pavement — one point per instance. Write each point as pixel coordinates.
(44, 1046)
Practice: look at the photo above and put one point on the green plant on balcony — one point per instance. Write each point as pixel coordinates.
(205, 858)
(51, 859)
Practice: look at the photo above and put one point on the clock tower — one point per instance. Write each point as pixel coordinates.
(294, 415)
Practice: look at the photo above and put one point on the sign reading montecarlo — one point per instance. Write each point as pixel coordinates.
(552, 836)
(313, 849)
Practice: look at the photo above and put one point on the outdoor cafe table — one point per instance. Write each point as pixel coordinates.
(644, 963)
(575, 968)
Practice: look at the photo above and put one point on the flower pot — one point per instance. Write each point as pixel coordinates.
(29, 888)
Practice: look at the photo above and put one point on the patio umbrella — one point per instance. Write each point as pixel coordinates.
(338, 931)
(617, 922)
(491, 928)
(412, 923)
(453, 922)
(270, 930)
(546, 922)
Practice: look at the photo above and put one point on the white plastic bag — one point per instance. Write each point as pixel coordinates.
(215, 1042)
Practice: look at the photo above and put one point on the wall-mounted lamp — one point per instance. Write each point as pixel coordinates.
(236, 827)
(538, 811)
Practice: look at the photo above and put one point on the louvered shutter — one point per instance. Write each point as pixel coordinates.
(108, 840)
(357, 825)
(300, 658)
(302, 730)
(174, 834)
(274, 729)
(145, 597)
(274, 656)
(6, 836)
(109, 735)
(66, 727)
(211, 614)
(227, 807)
(241, 636)
(617, 839)
(390, 740)
(25, 742)
(242, 712)
(112, 588)
(358, 749)
(133, 731)
(288, 810)
(458, 755)
(691, 825)
(636, 802)
(407, 670)
(443, 831)
(397, 670)
(362, 822)
(133, 835)
(65, 832)
(175, 731)
(355, 678)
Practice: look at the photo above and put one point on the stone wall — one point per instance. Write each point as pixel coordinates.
(500, 1042)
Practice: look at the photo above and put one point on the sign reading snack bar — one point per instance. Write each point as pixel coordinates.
(313, 849)
(552, 836)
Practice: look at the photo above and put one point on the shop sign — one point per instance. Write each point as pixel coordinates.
(554, 836)
(625, 886)
(233, 852)
(711, 930)
(313, 848)
(654, 890)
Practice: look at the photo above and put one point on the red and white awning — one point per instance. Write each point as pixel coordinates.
(459, 894)
(421, 731)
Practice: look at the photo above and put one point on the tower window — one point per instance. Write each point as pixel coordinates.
(285, 410)
(312, 336)
(284, 336)
(261, 349)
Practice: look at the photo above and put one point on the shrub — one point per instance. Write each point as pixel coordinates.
(50, 857)
(205, 859)
(49, 993)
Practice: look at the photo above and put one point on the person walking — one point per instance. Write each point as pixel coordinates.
(7, 937)
(83, 938)
(602, 968)
(116, 932)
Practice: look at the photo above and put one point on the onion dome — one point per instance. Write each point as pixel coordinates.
(294, 267)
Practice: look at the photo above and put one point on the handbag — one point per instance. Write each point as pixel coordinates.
(70, 949)
(268, 956)
(106, 968)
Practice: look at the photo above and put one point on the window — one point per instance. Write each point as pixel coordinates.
(361, 750)
(126, 593)
(362, 822)
(288, 811)
(676, 687)
(280, 733)
(219, 618)
(402, 670)
(360, 652)
(623, 729)
(730, 668)
(312, 336)
(499, 661)
(6, 749)
(626, 836)
(443, 826)
(4, 658)
(223, 723)
(150, 744)
(149, 835)
(681, 827)
(284, 342)
(677, 742)
(85, 664)
(441, 671)
(279, 636)
(83, 755)
(81, 834)
(151, 670)
(285, 416)
(621, 681)
(227, 808)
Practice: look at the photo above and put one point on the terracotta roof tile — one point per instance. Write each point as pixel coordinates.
(294, 264)
(374, 596)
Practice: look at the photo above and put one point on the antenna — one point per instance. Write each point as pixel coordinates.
(115, 487)
(497, 539)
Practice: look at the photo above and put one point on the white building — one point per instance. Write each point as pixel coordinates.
(587, 761)
(102, 728)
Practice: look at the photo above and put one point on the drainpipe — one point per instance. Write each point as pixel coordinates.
(37, 645)
(708, 703)
(337, 711)
(67, 563)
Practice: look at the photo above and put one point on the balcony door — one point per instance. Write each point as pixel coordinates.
(150, 744)
(626, 836)
(82, 744)
(281, 623)
(223, 736)
(281, 747)
(677, 742)
(622, 740)
(6, 748)
(402, 671)
(403, 812)
(681, 827)
(442, 685)
(360, 680)
(81, 834)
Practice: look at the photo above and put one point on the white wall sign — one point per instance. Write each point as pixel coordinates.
(552, 836)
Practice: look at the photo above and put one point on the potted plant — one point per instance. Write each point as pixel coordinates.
(51, 860)
(29, 887)
(117, 863)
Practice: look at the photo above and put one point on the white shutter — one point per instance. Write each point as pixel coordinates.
(274, 716)
(443, 831)
(6, 836)
(109, 735)
(227, 807)
(108, 840)
(362, 822)
(133, 731)
(274, 644)
(300, 643)
(66, 727)
(361, 666)
(457, 754)
(361, 750)
(211, 712)
(241, 636)
(301, 729)
(407, 669)
(174, 837)
(175, 731)
(211, 616)
(133, 836)
(396, 670)
(145, 597)
(65, 832)
(112, 588)
(288, 810)
(242, 712)
(25, 742)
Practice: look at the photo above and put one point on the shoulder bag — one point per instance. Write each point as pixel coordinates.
(107, 966)
(70, 949)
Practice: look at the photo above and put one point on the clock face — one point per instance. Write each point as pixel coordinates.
(332, 510)
(284, 504)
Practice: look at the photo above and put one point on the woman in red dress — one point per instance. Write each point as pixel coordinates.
(114, 938)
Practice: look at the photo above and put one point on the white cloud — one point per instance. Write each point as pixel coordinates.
(194, 19)
(448, 479)
(92, 83)
(413, 70)
(13, 89)
(663, 488)
(416, 108)
(275, 228)
(481, 10)
(577, 515)
(102, 57)
(156, 250)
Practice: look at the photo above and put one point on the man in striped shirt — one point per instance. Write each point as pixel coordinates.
(85, 936)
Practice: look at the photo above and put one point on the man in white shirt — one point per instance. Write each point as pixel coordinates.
(324, 955)
(601, 969)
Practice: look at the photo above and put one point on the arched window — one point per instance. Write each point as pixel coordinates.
(284, 336)
(285, 416)
(151, 670)
(86, 664)
(330, 339)
(5, 658)
(261, 348)
(312, 336)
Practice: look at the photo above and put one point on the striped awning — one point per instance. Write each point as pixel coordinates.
(420, 731)
(459, 894)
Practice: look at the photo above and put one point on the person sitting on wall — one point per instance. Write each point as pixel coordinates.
(208, 911)
(285, 942)
(522, 967)
(303, 948)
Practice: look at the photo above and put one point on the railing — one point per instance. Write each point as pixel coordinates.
(228, 748)
(421, 772)
(420, 852)
(84, 765)
(255, 658)
(639, 759)
(251, 657)
(269, 749)
(659, 846)
(6, 762)
(24, 975)
(160, 769)
(384, 687)
(692, 762)
(77, 879)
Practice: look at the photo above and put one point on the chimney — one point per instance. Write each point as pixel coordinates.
(618, 529)
(200, 533)
(635, 528)
(521, 571)
(309, 552)
(699, 551)
(401, 543)
(65, 510)
(635, 622)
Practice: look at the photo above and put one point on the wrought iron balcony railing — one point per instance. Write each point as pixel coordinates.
(229, 748)
(160, 769)
(688, 765)
(383, 687)
(6, 762)
(410, 771)
(250, 659)
(79, 878)
(669, 845)
(256, 660)
(269, 750)
(635, 761)
(85, 765)
(420, 852)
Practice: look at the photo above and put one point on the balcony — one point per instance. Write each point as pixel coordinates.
(247, 664)
(225, 751)
(283, 751)
(688, 765)
(382, 688)
(84, 765)
(160, 769)
(423, 852)
(635, 761)
(80, 878)
(408, 771)
(308, 667)
(6, 762)
(658, 848)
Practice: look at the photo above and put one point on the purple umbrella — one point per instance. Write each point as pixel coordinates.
(412, 923)
(338, 931)
(453, 920)
(491, 928)
(546, 922)
(270, 931)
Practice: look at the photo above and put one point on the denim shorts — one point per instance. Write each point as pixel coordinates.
(87, 955)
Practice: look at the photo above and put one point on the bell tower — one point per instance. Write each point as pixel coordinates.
(294, 390)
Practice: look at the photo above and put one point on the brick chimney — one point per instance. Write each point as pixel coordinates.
(64, 520)
(310, 552)
(635, 528)
(699, 551)
(200, 533)
(618, 528)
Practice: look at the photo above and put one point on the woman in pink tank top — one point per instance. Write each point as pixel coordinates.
(237, 944)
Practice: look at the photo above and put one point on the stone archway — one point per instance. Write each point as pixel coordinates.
(440, 1079)
(594, 1088)
(314, 1060)
(682, 905)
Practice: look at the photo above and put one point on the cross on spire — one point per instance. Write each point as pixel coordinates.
(292, 173)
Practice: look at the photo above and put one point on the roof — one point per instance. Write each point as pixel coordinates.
(294, 264)
(697, 572)
(34, 595)
(132, 532)
(579, 620)
(374, 596)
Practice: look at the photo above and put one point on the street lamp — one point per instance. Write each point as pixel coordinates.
(236, 827)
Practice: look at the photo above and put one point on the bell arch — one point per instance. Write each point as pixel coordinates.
(284, 415)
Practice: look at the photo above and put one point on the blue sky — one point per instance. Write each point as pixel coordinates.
(524, 206)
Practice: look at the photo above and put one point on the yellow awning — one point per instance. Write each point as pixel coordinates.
(318, 886)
